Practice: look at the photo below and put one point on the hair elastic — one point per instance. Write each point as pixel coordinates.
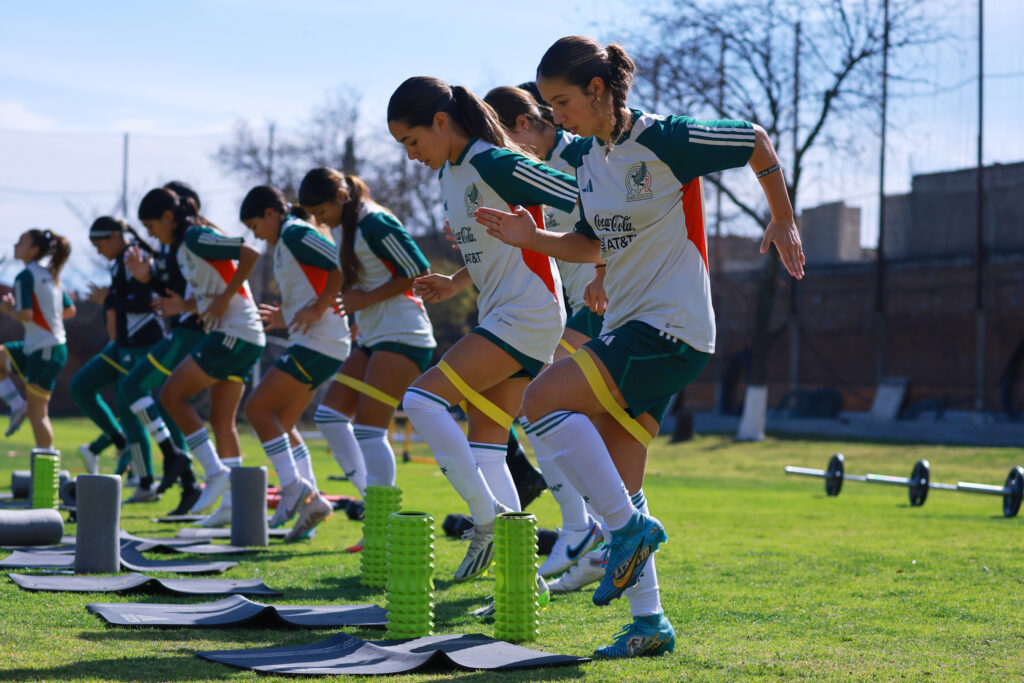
(770, 169)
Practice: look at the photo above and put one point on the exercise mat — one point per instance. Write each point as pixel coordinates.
(131, 558)
(343, 654)
(141, 583)
(179, 519)
(197, 533)
(238, 611)
(34, 559)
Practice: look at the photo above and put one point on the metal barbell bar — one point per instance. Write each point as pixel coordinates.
(918, 483)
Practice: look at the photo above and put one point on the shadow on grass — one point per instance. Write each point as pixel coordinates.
(550, 673)
(167, 668)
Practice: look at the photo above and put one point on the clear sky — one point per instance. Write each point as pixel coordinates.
(74, 76)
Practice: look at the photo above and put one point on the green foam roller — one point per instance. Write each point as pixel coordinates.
(515, 577)
(45, 481)
(410, 574)
(381, 501)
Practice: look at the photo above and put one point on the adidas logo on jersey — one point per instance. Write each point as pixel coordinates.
(589, 187)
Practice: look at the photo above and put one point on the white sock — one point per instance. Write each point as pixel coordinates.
(202, 448)
(490, 458)
(644, 597)
(304, 464)
(9, 393)
(583, 458)
(570, 502)
(151, 419)
(229, 464)
(280, 453)
(337, 430)
(431, 419)
(605, 531)
(378, 457)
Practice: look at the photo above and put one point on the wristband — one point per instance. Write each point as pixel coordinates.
(770, 169)
(600, 265)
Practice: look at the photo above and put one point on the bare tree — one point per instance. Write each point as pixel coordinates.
(764, 61)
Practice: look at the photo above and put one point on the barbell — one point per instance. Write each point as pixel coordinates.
(918, 483)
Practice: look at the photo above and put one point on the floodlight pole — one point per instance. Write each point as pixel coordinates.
(979, 276)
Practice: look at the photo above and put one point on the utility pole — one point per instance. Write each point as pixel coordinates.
(880, 264)
(794, 286)
(979, 277)
(270, 155)
(124, 179)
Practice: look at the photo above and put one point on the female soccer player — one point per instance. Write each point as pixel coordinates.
(379, 261)
(38, 303)
(520, 309)
(216, 268)
(642, 214)
(309, 279)
(136, 330)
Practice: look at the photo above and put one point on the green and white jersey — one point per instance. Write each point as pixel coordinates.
(564, 157)
(35, 290)
(303, 258)
(209, 260)
(520, 290)
(644, 201)
(385, 251)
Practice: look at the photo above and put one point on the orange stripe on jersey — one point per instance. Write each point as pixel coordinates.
(227, 269)
(539, 263)
(317, 277)
(693, 211)
(37, 315)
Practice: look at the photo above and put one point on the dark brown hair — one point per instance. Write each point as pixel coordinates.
(182, 207)
(105, 225)
(578, 60)
(510, 102)
(49, 243)
(326, 184)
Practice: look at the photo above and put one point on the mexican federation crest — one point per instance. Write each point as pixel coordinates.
(473, 199)
(638, 182)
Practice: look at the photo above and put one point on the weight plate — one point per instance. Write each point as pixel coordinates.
(834, 475)
(920, 476)
(1014, 487)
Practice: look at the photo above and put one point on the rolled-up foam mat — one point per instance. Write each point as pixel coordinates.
(143, 584)
(343, 654)
(97, 544)
(238, 611)
(21, 483)
(30, 527)
(249, 506)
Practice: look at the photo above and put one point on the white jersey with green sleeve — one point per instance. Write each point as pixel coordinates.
(35, 290)
(644, 201)
(520, 297)
(303, 258)
(564, 157)
(208, 260)
(385, 251)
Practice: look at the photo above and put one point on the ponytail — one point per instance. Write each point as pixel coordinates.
(357, 192)
(57, 247)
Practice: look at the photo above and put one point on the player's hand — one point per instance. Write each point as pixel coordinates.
(137, 263)
(786, 238)
(97, 295)
(434, 288)
(517, 229)
(7, 304)
(449, 234)
(216, 310)
(339, 306)
(271, 317)
(304, 319)
(594, 295)
(166, 306)
(353, 300)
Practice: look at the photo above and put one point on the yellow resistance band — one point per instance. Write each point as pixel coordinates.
(367, 389)
(567, 346)
(114, 363)
(157, 365)
(32, 388)
(604, 397)
(479, 402)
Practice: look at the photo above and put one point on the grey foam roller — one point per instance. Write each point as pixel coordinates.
(97, 541)
(30, 527)
(249, 506)
(21, 483)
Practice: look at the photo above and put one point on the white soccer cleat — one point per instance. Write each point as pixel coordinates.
(588, 570)
(89, 459)
(18, 416)
(292, 496)
(215, 486)
(481, 548)
(312, 511)
(143, 495)
(219, 517)
(572, 544)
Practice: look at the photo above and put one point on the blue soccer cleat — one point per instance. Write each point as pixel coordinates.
(645, 637)
(630, 548)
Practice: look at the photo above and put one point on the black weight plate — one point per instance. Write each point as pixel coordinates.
(1014, 491)
(834, 475)
(920, 477)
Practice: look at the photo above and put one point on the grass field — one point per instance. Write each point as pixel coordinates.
(763, 577)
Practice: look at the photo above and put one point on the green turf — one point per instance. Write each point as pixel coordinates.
(762, 577)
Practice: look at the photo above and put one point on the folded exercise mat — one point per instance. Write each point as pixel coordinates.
(198, 533)
(131, 558)
(179, 519)
(144, 584)
(238, 611)
(344, 654)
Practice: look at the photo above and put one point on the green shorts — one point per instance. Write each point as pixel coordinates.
(531, 366)
(40, 367)
(423, 357)
(586, 322)
(647, 366)
(123, 358)
(224, 357)
(307, 366)
(157, 365)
